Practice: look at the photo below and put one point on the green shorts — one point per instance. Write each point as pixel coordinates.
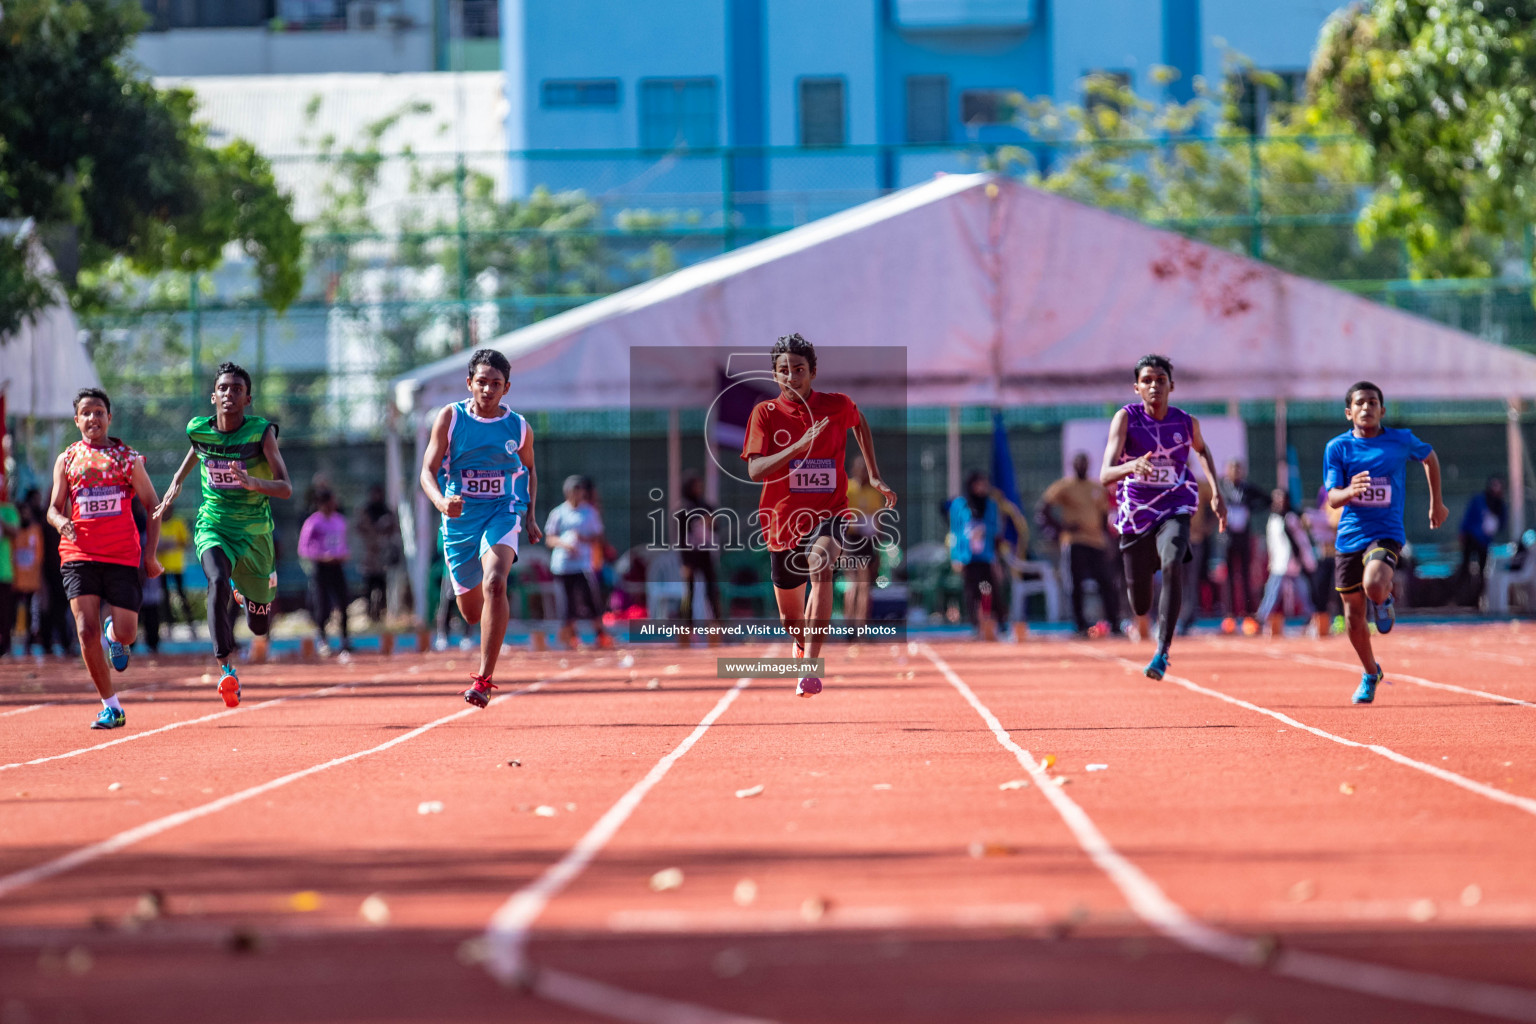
(251, 554)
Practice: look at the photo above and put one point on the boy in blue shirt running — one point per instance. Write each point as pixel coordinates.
(1366, 472)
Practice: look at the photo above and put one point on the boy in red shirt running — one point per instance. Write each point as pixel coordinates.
(796, 447)
(94, 483)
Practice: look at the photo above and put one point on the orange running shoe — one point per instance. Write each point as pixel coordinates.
(229, 685)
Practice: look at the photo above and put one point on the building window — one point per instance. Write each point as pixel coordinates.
(679, 113)
(821, 112)
(1102, 89)
(989, 106)
(172, 14)
(1259, 93)
(927, 109)
(600, 92)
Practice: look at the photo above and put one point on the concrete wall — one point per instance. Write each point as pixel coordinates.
(258, 51)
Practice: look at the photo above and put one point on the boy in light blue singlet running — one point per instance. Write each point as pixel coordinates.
(479, 473)
(1366, 472)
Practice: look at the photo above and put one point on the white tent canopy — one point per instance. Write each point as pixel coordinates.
(45, 363)
(1001, 295)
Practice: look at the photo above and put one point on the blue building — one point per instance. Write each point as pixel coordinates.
(823, 103)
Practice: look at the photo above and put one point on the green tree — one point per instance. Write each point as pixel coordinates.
(1287, 194)
(1443, 92)
(93, 151)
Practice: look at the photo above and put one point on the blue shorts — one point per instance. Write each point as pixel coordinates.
(467, 538)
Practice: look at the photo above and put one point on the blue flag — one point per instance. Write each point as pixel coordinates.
(1002, 474)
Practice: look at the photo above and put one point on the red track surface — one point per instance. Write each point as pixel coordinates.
(894, 880)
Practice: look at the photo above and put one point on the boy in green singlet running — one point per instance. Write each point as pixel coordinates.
(242, 470)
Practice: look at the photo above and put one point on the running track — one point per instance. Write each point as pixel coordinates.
(1256, 849)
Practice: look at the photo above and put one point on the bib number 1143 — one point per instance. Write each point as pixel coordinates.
(816, 476)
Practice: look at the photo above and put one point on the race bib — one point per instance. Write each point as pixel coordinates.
(1377, 495)
(98, 502)
(222, 474)
(813, 476)
(483, 483)
(1164, 474)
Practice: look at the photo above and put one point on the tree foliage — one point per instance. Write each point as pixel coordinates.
(1194, 167)
(89, 144)
(1444, 94)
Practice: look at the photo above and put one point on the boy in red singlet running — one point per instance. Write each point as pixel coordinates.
(94, 483)
(797, 447)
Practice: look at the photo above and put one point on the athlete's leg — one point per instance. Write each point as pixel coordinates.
(1140, 561)
(125, 625)
(87, 609)
(791, 602)
(1172, 550)
(1359, 631)
(497, 564)
(818, 612)
(1378, 577)
(221, 600)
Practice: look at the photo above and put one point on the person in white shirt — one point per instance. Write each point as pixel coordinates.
(1290, 555)
(570, 531)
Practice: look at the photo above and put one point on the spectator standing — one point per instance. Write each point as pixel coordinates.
(172, 552)
(1483, 520)
(1197, 571)
(1244, 500)
(974, 529)
(27, 558)
(572, 529)
(861, 554)
(1291, 562)
(696, 548)
(10, 527)
(323, 542)
(1323, 525)
(379, 529)
(1076, 507)
(57, 626)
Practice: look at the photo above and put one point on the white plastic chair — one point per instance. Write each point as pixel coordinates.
(1034, 577)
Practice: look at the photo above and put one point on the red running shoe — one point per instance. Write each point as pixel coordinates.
(479, 692)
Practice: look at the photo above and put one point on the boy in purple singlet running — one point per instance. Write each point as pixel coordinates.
(1147, 462)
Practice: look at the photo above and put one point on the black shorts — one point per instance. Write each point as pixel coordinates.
(1144, 553)
(116, 585)
(580, 596)
(1349, 569)
(794, 568)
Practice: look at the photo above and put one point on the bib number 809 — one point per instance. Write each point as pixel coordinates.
(483, 485)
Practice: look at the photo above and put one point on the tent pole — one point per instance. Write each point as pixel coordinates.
(1514, 442)
(952, 454)
(674, 463)
(394, 485)
(425, 520)
(1282, 457)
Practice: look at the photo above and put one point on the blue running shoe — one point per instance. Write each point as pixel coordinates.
(110, 718)
(1368, 683)
(116, 651)
(1385, 615)
(1157, 667)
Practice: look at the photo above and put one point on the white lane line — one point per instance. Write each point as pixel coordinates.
(506, 937)
(1482, 789)
(1307, 659)
(1457, 651)
(177, 725)
(122, 840)
(1167, 918)
(153, 688)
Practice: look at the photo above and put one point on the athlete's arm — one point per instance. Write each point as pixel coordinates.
(1438, 513)
(1112, 471)
(437, 449)
(526, 454)
(145, 491)
(279, 486)
(760, 467)
(174, 491)
(58, 503)
(1208, 463)
(1358, 484)
(866, 441)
